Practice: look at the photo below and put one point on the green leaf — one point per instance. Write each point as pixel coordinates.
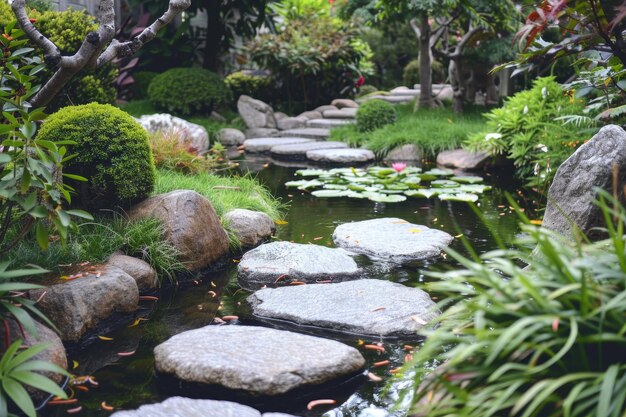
(39, 382)
(42, 236)
(381, 198)
(79, 213)
(19, 396)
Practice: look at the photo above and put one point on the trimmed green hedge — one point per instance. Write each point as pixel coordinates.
(374, 114)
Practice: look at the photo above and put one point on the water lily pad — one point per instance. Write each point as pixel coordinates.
(474, 188)
(381, 171)
(394, 198)
(356, 187)
(330, 193)
(310, 172)
(354, 194)
(444, 184)
(466, 197)
(386, 191)
(336, 187)
(427, 177)
(304, 184)
(412, 182)
(397, 186)
(440, 172)
(424, 193)
(467, 179)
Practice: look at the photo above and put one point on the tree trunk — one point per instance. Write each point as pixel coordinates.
(212, 53)
(425, 59)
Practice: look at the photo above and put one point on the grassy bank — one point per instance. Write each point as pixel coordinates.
(433, 130)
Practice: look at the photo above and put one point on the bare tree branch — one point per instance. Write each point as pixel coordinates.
(97, 49)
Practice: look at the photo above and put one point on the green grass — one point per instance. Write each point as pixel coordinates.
(433, 130)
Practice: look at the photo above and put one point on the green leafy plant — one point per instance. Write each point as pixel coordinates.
(112, 151)
(526, 130)
(547, 340)
(374, 114)
(241, 82)
(186, 91)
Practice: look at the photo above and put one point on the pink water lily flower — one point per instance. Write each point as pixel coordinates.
(398, 166)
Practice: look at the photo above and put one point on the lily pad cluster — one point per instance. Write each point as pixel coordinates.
(389, 185)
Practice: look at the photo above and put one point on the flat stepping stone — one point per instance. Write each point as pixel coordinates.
(299, 150)
(256, 360)
(404, 91)
(283, 262)
(187, 407)
(341, 156)
(329, 123)
(263, 145)
(306, 132)
(391, 239)
(345, 113)
(369, 307)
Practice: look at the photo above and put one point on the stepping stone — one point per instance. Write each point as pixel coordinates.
(462, 159)
(306, 132)
(256, 360)
(329, 123)
(341, 156)
(261, 145)
(405, 91)
(344, 102)
(391, 239)
(299, 150)
(369, 307)
(345, 113)
(283, 262)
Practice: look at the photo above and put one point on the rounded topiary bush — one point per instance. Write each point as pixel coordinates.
(411, 73)
(374, 114)
(186, 91)
(112, 152)
(244, 82)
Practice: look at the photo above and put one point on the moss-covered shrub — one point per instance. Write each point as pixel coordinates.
(367, 89)
(142, 82)
(251, 85)
(411, 73)
(374, 114)
(112, 152)
(186, 91)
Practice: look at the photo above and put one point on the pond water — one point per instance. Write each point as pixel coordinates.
(128, 382)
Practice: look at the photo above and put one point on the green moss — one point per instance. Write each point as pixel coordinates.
(112, 152)
(187, 91)
(375, 114)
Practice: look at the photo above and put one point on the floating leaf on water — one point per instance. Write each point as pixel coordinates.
(440, 172)
(398, 186)
(304, 184)
(466, 197)
(381, 171)
(335, 187)
(394, 198)
(360, 180)
(424, 192)
(356, 187)
(310, 172)
(354, 194)
(427, 177)
(474, 188)
(346, 171)
(330, 193)
(105, 338)
(412, 182)
(391, 191)
(467, 179)
(444, 184)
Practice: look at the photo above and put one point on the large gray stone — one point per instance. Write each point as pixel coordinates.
(306, 132)
(231, 137)
(190, 224)
(391, 239)
(325, 107)
(299, 150)
(410, 153)
(144, 275)
(260, 132)
(462, 159)
(369, 307)
(311, 114)
(250, 227)
(292, 123)
(345, 113)
(393, 99)
(284, 262)
(572, 193)
(194, 137)
(257, 360)
(79, 305)
(341, 156)
(405, 91)
(329, 123)
(341, 103)
(255, 113)
(187, 407)
(262, 145)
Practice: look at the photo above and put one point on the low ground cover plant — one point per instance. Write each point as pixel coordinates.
(374, 114)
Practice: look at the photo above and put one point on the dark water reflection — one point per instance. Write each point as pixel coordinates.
(128, 382)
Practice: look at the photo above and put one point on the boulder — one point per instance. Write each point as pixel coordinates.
(341, 156)
(297, 151)
(406, 153)
(144, 275)
(260, 132)
(255, 113)
(231, 137)
(341, 103)
(306, 132)
(250, 227)
(187, 407)
(572, 193)
(292, 123)
(79, 305)
(462, 159)
(191, 135)
(191, 226)
(370, 307)
(279, 115)
(311, 114)
(256, 360)
(446, 93)
(262, 145)
(283, 262)
(329, 123)
(325, 107)
(391, 239)
(217, 117)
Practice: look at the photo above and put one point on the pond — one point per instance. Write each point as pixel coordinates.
(129, 381)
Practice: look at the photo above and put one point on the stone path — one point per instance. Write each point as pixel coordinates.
(298, 151)
(256, 360)
(369, 307)
(263, 145)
